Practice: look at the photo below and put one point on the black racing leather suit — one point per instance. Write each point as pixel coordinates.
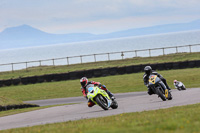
(146, 81)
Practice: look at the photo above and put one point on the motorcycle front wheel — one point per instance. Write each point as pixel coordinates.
(160, 94)
(102, 102)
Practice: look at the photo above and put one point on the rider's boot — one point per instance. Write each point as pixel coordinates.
(169, 89)
(165, 82)
(167, 85)
(90, 103)
(110, 94)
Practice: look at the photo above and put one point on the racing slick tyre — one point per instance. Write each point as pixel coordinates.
(114, 104)
(170, 96)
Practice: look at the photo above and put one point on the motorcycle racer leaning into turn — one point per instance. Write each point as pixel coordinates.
(148, 70)
(179, 85)
(85, 84)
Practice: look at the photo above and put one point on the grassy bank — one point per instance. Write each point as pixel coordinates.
(17, 111)
(133, 61)
(12, 104)
(116, 84)
(164, 120)
(4, 101)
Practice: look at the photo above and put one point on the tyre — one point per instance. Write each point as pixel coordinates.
(179, 89)
(170, 96)
(183, 88)
(102, 102)
(114, 104)
(160, 94)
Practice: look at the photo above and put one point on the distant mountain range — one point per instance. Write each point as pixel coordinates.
(27, 36)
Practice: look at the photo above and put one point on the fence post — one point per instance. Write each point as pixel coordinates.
(135, 53)
(163, 51)
(81, 59)
(53, 62)
(108, 56)
(149, 52)
(12, 67)
(190, 49)
(176, 49)
(67, 60)
(122, 55)
(94, 58)
(26, 66)
(40, 63)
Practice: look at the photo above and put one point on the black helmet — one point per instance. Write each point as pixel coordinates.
(148, 70)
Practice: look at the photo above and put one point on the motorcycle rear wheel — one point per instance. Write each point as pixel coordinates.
(170, 96)
(114, 104)
(183, 88)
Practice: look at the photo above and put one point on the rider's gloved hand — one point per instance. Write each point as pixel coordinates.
(103, 86)
(99, 85)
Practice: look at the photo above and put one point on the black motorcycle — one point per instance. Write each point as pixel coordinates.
(159, 88)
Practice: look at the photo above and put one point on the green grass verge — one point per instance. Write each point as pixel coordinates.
(116, 84)
(4, 101)
(7, 104)
(85, 66)
(184, 119)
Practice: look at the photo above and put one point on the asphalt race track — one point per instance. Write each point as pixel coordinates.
(128, 102)
(78, 99)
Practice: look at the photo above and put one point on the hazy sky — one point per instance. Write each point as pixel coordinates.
(95, 16)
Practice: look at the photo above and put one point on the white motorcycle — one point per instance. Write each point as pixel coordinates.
(180, 86)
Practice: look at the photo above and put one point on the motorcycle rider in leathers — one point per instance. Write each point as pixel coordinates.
(85, 84)
(176, 84)
(148, 70)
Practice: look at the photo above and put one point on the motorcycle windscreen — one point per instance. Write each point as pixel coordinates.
(91, 89)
